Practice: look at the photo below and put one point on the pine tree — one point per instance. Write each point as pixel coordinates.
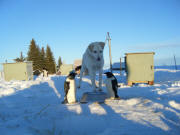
(59, 62)
(34, 55)
(43, 58)
(20, 59)
(50, 62)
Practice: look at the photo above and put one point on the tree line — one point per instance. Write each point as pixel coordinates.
(41, 58)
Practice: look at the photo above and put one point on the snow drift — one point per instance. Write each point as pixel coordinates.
(34, 108)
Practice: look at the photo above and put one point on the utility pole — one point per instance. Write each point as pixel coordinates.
(109, 44)
(175, 62)
(120, 66)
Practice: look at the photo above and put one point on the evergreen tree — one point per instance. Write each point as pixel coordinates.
(32, 48)
(38, 58)
(59, 62)
(43, 58)
(50, 62)
(20, 59)
(34, 55)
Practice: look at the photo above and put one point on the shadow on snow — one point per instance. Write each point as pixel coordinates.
(38, 110)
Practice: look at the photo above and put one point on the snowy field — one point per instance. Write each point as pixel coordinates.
(34, 108)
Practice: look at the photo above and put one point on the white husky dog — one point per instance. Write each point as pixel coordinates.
(92, 62)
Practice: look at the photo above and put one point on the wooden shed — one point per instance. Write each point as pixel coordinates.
(18, 71)
(140, 67)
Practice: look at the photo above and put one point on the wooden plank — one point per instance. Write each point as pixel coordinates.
(93, 97)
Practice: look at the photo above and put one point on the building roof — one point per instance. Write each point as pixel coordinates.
(140, 53)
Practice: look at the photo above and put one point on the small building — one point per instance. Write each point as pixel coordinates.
(66, 68)
(77, 63)
(18, 71)
(140, 68)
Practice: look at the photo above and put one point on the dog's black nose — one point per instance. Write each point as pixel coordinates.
(98, 59)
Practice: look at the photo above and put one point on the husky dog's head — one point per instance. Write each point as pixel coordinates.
(96, 50)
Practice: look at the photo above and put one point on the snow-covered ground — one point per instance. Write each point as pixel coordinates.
(34, 108)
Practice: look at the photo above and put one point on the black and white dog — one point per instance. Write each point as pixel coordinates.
(111, 85)
(70, 89)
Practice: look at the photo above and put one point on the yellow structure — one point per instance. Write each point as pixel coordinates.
(66, 68)
(140, 67)
(18, 71)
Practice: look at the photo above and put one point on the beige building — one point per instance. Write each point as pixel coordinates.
(77, 63)
(66, 68)
(18, 71)
(140, 67)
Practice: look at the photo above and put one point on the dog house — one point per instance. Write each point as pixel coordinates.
(18, 71)
(140, 68)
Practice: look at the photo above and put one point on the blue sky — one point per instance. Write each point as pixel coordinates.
(68, 26)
